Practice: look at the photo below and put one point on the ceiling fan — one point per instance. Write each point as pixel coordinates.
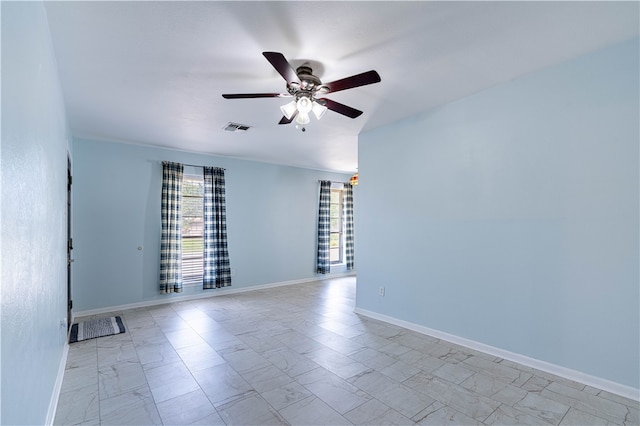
(307, 89)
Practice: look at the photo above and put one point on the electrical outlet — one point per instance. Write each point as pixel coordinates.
(381, 291)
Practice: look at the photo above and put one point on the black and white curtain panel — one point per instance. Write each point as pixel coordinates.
(217, 269)
(324, 228)
(171, 239)
(348, 226)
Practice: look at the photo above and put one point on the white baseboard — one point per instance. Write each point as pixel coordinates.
(206, 294)
(57, 387)
(567, 373)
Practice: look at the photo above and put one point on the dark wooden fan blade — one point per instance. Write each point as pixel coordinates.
(357, 80)
(281, 65)
(253, 95)
(285, 120)
(341, 108)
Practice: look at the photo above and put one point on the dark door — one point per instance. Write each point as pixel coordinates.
(69, 243)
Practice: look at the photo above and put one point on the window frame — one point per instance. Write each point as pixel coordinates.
(341, 249)
(196, 269)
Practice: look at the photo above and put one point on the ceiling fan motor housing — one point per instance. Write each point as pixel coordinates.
(309, 83)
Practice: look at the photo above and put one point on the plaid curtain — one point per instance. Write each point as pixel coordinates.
(217, 269)
(323, 264)
(171, 240)
(348, 225)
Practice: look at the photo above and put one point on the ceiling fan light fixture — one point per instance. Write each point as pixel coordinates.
(302, 118)
(318, 110)
(289, 109)
(304, 105)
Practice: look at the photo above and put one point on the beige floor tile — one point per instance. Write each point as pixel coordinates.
(312, 411)
(187, 409)
(374, 412)
(250, 410)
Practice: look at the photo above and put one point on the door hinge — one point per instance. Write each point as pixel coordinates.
(70, 244)
(70, 304)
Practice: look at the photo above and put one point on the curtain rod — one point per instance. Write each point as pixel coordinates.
(192, 165)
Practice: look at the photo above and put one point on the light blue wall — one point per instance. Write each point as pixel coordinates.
(271, 216)
(511, 217)
(33, 198)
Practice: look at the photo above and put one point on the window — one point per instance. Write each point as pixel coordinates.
(192, 228)
(336, 242)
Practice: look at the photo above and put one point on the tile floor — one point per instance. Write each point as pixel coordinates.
(299, 355)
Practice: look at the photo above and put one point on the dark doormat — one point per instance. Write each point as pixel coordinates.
(91, 329)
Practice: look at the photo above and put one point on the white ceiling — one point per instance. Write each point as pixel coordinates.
(153, 72)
